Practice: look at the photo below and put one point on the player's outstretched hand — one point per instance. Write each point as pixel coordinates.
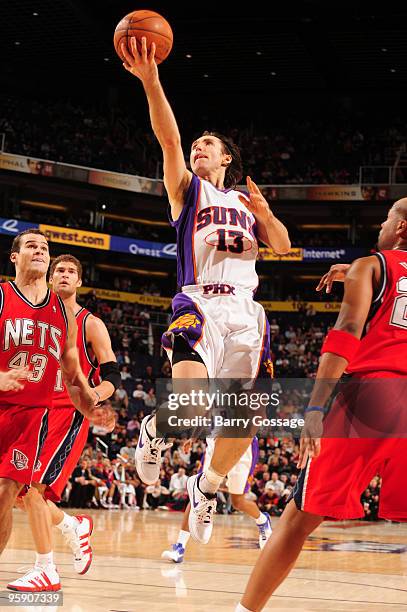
(257, 203)
(337, 272)
(310, 443)
(11, 380)
(140, 64)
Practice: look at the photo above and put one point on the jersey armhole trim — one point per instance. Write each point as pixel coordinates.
(94, 364)
(383, 278)
(63, 310)
(1, 300)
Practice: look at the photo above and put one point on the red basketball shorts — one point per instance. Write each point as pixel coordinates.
(22, 432)
(371, 422)
(63, 446)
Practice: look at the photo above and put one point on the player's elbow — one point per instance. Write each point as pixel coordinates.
(283, 248)
(170, 142)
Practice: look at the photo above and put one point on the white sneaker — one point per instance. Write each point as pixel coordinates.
(176, 554)
(200, 520)
(79, 541)
(148, 454)
(265, 531)
(37, 580)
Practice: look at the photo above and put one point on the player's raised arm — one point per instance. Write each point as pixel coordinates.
(98, 336)
(177, 177)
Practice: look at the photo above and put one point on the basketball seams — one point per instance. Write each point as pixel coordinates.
(144, 30)
(154, 27)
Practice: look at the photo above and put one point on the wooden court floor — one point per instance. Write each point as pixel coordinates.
(348, 566)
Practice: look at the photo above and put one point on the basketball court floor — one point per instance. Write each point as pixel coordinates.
(352, 566)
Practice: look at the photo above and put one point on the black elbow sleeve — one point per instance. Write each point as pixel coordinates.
(110, 371)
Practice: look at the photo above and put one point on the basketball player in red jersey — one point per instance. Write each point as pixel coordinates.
(38, 336)
(67, 435)
(337, 470)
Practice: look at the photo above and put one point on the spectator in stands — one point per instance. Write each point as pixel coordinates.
(83, 486)
(150, 401)
(124, 373)
(128, 451)
(120, 398)
(157, 495)
(275, 484)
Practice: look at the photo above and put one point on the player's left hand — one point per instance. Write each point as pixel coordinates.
(257, 203)
(310, 443)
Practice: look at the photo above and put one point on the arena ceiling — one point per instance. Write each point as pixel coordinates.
(65, 45)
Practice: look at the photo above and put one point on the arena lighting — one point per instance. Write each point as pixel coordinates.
(136, 271)
(318, 226)
(135, 220)
(307, 277)
(43, 205)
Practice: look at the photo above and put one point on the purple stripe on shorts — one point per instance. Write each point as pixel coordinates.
(265, 354)
(186, 320)
(255, 456)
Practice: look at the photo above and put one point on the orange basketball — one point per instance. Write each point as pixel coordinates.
(144, 23)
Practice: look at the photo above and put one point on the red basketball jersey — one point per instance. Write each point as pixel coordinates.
(384, 347)
(32, 335)
(89, 365)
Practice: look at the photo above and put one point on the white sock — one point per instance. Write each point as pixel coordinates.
(183, 538)
(262, 519)
(151, 427)
(44, 560)
(68, 523)
(240, 608)
(210, 481)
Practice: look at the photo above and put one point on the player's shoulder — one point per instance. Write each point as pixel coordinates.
(94, 324)
(364, 263)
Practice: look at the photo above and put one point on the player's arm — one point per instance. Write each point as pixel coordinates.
(177, 177)
(79, 391)
(337, 272)
(98, 336)
(270, 230)
(340, 345)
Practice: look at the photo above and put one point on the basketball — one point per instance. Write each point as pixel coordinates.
(144, 23)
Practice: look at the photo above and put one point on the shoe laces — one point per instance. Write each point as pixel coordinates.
(154, 449)
(73, 541)
(205, 510)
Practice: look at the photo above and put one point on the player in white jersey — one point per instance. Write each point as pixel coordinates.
(217, 329)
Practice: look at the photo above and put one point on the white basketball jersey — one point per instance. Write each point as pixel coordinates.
(216, 239)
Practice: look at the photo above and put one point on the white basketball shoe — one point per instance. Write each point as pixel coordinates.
(37, 580)
(265, 531)
(203, 506)
(176, 554)
(148, 454)
(79, 541)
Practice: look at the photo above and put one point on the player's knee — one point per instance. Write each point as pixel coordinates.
(9, 489)
(34, 495)
(237, 501)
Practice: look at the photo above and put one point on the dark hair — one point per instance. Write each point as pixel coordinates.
(69, 258)
(234, 171)
(15, 247)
